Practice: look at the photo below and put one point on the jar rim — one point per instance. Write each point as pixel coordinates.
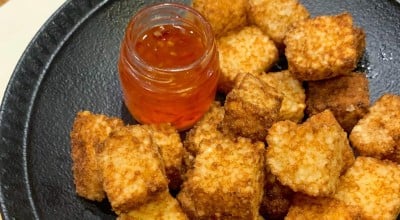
(206, 31)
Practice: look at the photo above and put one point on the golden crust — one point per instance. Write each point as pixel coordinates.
(251, 108)
(88, 131)
(293, 102)
(132, 168)
(167, 138)
(226, 180)
(324, 208)
(324, 47)
(245, 51)
(310, 157)
(346, 96)
(274, 17)
(223, 15)
(276, 199)
(164, 207)
(205, 128)
(378, 133)
(373, 186)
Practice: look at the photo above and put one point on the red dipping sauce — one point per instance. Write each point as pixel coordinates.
(168, 65)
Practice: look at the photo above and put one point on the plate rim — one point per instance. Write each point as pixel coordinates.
(19, 98)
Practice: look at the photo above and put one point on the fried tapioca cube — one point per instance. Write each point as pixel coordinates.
(346, 96)
(226, 181)
(307, 207)
(88, 131)
(372, 185)
(276, 199)
(378, 133)
(275, 17)
(293, 103)
(167, 138)
(245, 51)
(223, 15)
(205, 128)
(132, 168)
(324, 47)
(164, 207)
(251, 108)
(310, 157)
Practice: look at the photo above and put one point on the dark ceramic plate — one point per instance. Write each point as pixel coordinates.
(71, 65)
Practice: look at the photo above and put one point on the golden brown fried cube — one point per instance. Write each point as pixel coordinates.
(310, 157)
(372, 185)
(132, 168)
(293, 102)
(226, 181)
(164, 207)
(276, 199)
(274, 17)
(223, 15)
(251, 108)
(324, 47)
(205, 128)
(378, 133)
(323, 208)
(88, 131)
(245, 51)
(167, 138)
(346, 96)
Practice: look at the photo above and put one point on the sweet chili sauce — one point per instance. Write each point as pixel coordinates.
(168, 65)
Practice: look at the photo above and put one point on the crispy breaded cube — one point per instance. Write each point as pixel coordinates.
(324, 47)
(372, 185)
(88, 131)
(274, 17)
(205, 128)
(164, 207)
(245, 51)
(167, 138)
(251, 108)
(223, 15)
(226, 181)
(293, 102)
(324, 208)
(132, 168)
(378, 133)
(276, 199)
(346, 96)
(310, 157)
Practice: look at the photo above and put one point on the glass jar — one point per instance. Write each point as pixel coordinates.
(168, 65)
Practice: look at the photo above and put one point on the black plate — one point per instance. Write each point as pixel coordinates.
(71, 65)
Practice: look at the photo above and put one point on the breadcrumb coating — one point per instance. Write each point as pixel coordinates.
(132, 168)
(251, 108)
(274, 17)
(223, 15)
(378, 133)
(293, 103)
(88, 131)
(226, 181)
(167, 138)
(310, 157)
(164, 207)
(323, 208)
(324, 47)
(372, 185)
(346, 96)
(248, 50)
(276, 199)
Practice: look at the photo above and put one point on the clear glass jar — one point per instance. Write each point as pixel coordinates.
(168, 65)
